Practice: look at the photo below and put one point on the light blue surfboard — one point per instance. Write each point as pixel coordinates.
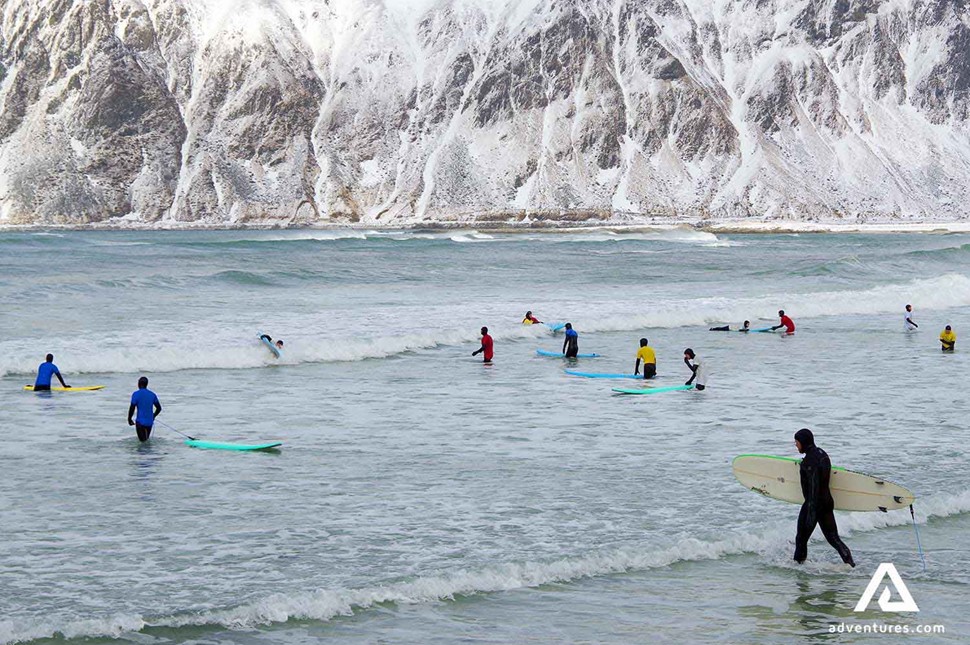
(542, 352)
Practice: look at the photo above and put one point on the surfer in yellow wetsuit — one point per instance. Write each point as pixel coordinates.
(819, 507)
(530, 319)
(649, 358)
(948, 339)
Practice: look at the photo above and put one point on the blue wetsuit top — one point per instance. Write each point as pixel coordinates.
(145, 401)
(45, 372)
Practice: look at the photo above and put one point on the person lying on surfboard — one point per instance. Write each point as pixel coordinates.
(649, 358)
(786, 322)
(698, 376)
(530, 319)
(819, 507)
(745, 327)
(45, 372)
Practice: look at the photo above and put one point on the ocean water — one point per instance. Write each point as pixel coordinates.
(421, 497)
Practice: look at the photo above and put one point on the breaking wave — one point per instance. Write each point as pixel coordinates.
(325, 604)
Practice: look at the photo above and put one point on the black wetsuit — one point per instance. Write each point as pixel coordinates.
(724, 328)
(819, 507)
(649, 370)
(572, 345)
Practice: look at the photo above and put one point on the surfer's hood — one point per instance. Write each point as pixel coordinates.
(805, 437)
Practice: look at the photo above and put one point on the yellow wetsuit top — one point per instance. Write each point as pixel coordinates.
(647, 355)
(948, 337)
(527, 321)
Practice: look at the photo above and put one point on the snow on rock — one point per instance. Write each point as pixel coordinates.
(397, 112)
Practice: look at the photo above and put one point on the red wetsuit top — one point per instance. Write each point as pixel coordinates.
(789, 325)
(487, 345)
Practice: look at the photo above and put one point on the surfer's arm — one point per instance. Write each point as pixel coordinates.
(811, 480)
(61, 379)
(693, 372)
(478, 351)
(131, 411)
(158, 408)
(636, 368)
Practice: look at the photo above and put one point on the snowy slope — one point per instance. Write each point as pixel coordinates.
(405, 111)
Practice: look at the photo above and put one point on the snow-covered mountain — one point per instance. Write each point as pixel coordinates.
(407, 111)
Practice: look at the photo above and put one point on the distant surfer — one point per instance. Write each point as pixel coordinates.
(570, 344)
(278, 344)
(530, 319)
(785, 322)
(46, 372)
(819, 507)
(698, 375)
(948, 340)
(746, 327)
(649, 358)
(909, 322)
(146, 403)
(486, 348)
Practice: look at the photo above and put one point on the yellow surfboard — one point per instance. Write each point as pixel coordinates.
(80, 388)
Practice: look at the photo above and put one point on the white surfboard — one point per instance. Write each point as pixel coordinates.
(778, 478)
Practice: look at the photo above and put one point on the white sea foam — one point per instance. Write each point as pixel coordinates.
(325, 604)
(941, 292)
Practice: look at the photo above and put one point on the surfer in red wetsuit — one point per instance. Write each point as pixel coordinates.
(786, 322)
(486, 347)
(530, 319)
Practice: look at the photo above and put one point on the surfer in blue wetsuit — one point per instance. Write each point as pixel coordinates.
(45, 373)
(146, 403)
(570, 345)
(819, 507)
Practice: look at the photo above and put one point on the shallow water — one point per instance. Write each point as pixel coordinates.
(422, 497)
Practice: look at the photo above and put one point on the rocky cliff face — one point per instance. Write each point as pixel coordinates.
(407, 111)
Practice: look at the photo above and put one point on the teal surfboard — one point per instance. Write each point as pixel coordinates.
(215, 445)
(653, 390)
(555, 326)
(602, 375)
(542, 352)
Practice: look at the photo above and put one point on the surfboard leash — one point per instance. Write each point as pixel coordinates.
(919, 546)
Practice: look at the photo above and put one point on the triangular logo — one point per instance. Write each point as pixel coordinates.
(905, 602)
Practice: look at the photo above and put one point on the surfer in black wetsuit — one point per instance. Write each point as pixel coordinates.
(570, 344)
(819, 507)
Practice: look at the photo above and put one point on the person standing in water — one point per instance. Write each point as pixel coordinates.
(570, 344)
(909, 323)
(948, 339)
(698, 376)
(45, 373)
(819, 507)
(530, 319)
(786, 322)
(146, 403)
(486, 348)
(649, 358)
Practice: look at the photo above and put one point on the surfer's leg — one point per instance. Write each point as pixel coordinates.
(805, 530)
(144, 432)
(826, 520)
